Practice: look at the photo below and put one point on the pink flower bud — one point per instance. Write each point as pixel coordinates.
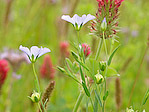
(47, 70)
(86, 49)
(4, 68)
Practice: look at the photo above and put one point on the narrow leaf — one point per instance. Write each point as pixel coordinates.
(82, 76)
(106, 95)
(69, 63)
(86, 89)
(61, 69)
(111, 56)
(98, 98)
(146, 97)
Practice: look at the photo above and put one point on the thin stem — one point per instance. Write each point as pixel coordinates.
(36, 78)
(99, 49)
(104, 94)
(37, 84)
(78, 102)
(39, 107)
(78, 36)
(92, 103)
(137, 75)
(105, 89)
(105, 45)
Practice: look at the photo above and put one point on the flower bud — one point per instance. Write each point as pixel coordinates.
(104, 25)
(130, 110)
(102, 65)
(99, 78)
(35, 97)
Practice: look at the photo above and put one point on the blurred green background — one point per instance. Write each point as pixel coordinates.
(37, 22)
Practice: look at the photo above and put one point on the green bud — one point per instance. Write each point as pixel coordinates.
(102, 65)
(35, 97)
(99, 78)
(104, 25)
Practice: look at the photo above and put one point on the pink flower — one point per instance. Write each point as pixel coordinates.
(4, 68)
(47, 70)
(64, 48)
(106, 9)
(86, 49)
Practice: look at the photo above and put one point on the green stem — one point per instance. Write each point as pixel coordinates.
(39, 107)
(105, 89)
(78, 102)
(105, 45)
(78, 36)
(36, 78)
(37, 85)
(104, 94)
(99, 49)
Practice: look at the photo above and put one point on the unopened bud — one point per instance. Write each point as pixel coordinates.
(104, 24)
(99, 78)
(102, 65)
(130, 110)
(35, 97)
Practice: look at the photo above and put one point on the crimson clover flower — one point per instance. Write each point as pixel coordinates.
(47, 70)
(34, 52)
(78, 21)
(64, 48)
(86, 50)
(108, 9)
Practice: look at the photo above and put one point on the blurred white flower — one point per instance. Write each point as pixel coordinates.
(78, 21)
(34, 52)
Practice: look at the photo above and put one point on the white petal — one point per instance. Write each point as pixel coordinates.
(68, 18)
(88, 18)
(35, 51)
(25, 50)
(43, 51)
(77, 20)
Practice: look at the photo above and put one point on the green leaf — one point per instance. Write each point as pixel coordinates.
(146, 97)
(106, 95)
(75, 67)
(75, 55)
(86, 89)
(61, 69)
(69, 63)
(82, 76)
(77, 59)
(98, 98)
(71, 75)
(111, 56)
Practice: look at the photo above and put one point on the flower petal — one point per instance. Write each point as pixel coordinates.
(25, 50)
(88, 18)
(68, 18)
(35, 51)
(77, 19)
(43, 51)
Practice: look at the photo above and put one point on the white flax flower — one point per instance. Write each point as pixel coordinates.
(34, 52)
(78, 21)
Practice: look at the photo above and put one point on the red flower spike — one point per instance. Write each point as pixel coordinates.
(108, 9)
(86, 50)
(47, 70)
(4, 68)
(64, 49)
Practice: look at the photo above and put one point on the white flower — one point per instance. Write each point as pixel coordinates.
(34, 52)
(77, 21)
